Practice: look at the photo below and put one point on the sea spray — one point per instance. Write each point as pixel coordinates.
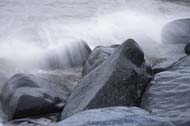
(33, 28)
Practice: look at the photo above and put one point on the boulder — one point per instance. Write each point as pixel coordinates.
(177, 31)
(98, 56)
(114, 116)
(25, 95)
(168, 95)
(119, 81)
(71, 54)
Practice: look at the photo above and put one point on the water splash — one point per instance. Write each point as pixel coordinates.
(33, 36)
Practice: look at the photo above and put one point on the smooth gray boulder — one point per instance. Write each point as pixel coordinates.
(118, 81)
(25, 95)
(168, 94)
(114, 116)
(177, 31)
(98, 56)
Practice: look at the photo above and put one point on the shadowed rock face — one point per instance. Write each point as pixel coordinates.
(27, 95)
(114, 116)
(119, 81)
(169, 93)
(98, 56)
(177, 31)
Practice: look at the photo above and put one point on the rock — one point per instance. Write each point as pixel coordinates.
(177, 31)
(119, 81)
(98, 56)
(25, 95)
(72, 54)
(168, 95)
(114, 116)
(187, 49)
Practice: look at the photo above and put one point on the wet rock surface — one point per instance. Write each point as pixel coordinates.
(25, 95)
(168, 94)
(119, 81)
(114, 116)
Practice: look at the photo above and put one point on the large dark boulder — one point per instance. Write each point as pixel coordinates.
(168, 94)
(25, 95)
(71, 54)
(114, 116)
(177, 31)
(98, 56)
(118, 81)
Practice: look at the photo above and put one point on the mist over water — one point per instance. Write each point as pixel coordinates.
(30, 30)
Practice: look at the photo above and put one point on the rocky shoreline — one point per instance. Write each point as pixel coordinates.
(108, 86)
